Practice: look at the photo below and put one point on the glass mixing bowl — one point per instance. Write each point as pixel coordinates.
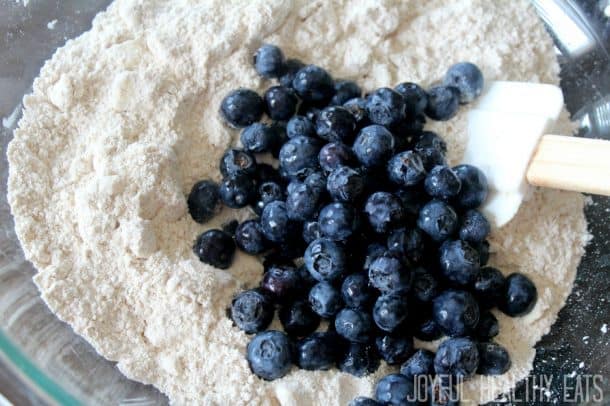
(49, 363)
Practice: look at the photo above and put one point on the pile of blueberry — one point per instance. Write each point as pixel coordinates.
(367, 237)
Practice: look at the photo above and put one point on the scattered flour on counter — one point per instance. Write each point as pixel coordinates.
(124, 119)
(51, 24)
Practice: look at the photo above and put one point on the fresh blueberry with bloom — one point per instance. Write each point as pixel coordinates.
(345, 90)
(474, 187)
(249, 237)
(334, 155)
(457, 357)
(406, 169)
(385, 107)
(281, 281)
(299, 157)
(357, 106)
(313, 84)
(338, 221)
(242, 107)
(354, 325)
(269, 61)
(396, 390)
(390, 311)
(311, 231)
(345, 184)
(325, 300)
(488, 326)
(269, 355)
(300, 126)
(420, 363)
(298, 319)
(281, 102)
(467, 78)
(493, 359)
(237, 191)
(384, 212)
(268, 192)
(359, 360)
(237, 162)
(356, 292)
(432, 149)
(519, 296)
(336, 124)
(252, 310)
(489, 286)
(291, 67)
(325, 259)
(258, 138)
(407, 244)
(442, 183)
(374, 145)
(394, 349)
(443, 102)
(459, 262)
(203, 201)
(456, 312)
(302, 202)
(474, 227)
(414, 96)
(424, 285)
(216, 248)
(316, 352)
(438, 220)
(275, 223)
(389, 274)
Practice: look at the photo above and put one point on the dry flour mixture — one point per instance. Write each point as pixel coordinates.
(124, 119)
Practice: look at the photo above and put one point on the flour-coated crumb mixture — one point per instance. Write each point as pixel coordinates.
(124, 119)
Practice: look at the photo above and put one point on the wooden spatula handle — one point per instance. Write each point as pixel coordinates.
(571, 163)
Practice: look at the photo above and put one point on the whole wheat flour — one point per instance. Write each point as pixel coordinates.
(124, 119)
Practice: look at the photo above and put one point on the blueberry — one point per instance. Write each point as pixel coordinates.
(203, 201)
(456, 312)
(407, 244)
(313, 84)
(396, 389)
(467, 78)
(362, 401)
(300, 126)
(216, 248)
(268, 192)
(258, 137)
(242, 107)
(269, 61)
(230, 227)
(317, 181)
(457, 357)
(431, 148)
(354, 325)
(427, 330)
(388, 274)
(488, 326)
(336, 124)
(316, 352)
(406, 169)
(281, 281)
(237, 162)
(420, 363)
(442, 183)
(489, 286)
(267, 173)
(311, 231)
(385, 107)
(249, 237)
(359, 360)
(279, 130)
(299, 157)
(310, 110)
(345, 90)
(281, 102)
(474, 187)
(334, 155)
(298, 319)
(519, 296)
(237, 191)
(389, 311)
(275, 223)
(325, 300)
(307, 280)
(356, 292)
(338, 221)
(291, 67)
(325, 259)
(412, 200)
(443, 102)
(474, 228)
(252, 310)
(442, 393)
(493, 359)
(459, 262)
(424, 286)
(357, 106)
(373, 251)
(438, 220)
(394, 350)
(384, 212)
(269, 355)
(302, 202)
(345, 184)
(374, 145)
(414, 96)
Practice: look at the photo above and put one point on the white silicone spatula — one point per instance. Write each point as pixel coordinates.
(509, 140)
